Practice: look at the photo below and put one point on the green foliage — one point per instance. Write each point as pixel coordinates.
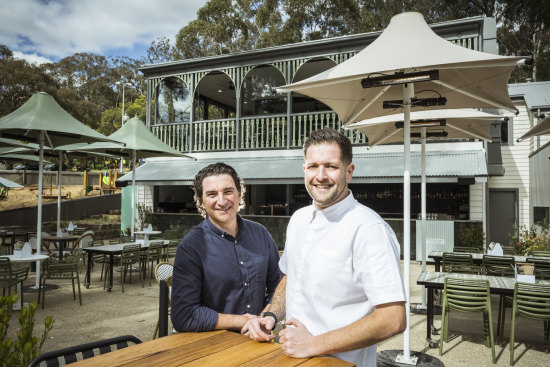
(472, 236)
(22, 350)
(145, 216)
(525, 239)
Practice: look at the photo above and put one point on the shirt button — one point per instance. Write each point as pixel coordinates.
(245, 284)
(242, 262)
(247, 306)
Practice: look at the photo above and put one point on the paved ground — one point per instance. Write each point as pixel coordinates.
(107, 314)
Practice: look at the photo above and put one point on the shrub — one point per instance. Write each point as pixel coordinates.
(22, 350)
(525, 239)
(472, 236)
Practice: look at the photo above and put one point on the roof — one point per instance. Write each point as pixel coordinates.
(441, 166)
(535, 94)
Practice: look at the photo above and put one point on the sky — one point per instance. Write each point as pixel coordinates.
(42, 31)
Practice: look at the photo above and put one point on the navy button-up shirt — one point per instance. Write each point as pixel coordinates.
(216, 273)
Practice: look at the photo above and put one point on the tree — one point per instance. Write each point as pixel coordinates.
(19, 80)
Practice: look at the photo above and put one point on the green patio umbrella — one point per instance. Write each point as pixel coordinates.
(139, 142)
(4, 182)
(43, 121)
(16, 144)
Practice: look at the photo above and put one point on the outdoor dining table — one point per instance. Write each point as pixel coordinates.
(19, 259)
(110, 250)
(435, 280)
(477, 258)
(60, 242)
(213, 348)
(146, 234)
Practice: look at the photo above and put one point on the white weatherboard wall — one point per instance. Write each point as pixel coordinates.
(476, 201)
(145, 195)
(515, 159)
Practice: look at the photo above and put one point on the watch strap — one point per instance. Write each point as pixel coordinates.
(267, 313)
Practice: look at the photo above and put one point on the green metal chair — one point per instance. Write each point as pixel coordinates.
(542, 267)
(170, 250)
(61, 269)
(473, 250)
(11, 275)
(153, 254)
(130, 256)
(501, 266)
(540, 253)
(467, 295)
(456, 262)
(531, 301)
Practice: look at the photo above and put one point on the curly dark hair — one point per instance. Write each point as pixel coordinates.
(331, 136)
(215, 169)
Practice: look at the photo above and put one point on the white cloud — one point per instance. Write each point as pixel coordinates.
(31, 58)
(59, 28)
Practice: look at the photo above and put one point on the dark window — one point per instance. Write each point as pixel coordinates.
(258, 92)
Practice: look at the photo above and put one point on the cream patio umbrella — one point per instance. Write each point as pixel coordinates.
(139, 141)
(427, 125)
(542, 128)
(410, 67)
(43, 121)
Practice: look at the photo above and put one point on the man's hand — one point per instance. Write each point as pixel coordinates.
(297, 341)
(259, 328)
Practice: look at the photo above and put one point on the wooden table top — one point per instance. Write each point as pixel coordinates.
(215, 348)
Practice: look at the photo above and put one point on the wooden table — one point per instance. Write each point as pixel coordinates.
(435, 280)
(60, 242)
(110, 250)
(215, 348)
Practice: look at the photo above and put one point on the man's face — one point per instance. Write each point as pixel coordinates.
(220, 199)
(326, 176)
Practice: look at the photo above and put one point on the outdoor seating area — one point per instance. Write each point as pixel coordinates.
(136, 312)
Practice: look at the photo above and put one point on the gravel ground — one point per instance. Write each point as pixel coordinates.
(107, 314)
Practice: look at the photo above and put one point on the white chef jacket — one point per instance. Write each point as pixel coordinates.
(340, 262)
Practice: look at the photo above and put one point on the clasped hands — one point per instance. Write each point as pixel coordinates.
(296, 341)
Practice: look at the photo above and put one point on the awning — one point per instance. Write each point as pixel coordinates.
(441, 166)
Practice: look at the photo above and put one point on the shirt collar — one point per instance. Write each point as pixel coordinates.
(219, 232)
(335, 211)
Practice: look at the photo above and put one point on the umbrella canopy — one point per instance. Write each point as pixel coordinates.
(466, 78)
(139, 141)
(4, 182)
(42, 113)
(410, 67)
(542, 128)
(440, 124)
(16, 143)
(42, 120)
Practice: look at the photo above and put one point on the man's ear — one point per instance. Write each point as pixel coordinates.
(349, 172)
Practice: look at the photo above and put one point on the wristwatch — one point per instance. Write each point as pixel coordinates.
(267, 313)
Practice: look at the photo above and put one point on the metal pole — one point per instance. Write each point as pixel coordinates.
(59, 177)
(39, 215)
(423, 205)
(133, 190)
(408, 92)
(122, 123)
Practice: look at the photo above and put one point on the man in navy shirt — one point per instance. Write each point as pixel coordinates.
(226, 269)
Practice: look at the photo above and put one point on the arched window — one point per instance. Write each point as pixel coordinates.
(300, 102)
(258, 92)
(173, 102)
(215, 97)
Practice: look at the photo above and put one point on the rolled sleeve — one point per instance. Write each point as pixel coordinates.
(187, 312)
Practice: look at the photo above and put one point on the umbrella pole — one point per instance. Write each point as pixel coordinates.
(423, 205)
(408, 92)
(59, 177)
(39, 214)
(133, 190)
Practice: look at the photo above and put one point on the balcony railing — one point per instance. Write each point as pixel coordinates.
(249, 133)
